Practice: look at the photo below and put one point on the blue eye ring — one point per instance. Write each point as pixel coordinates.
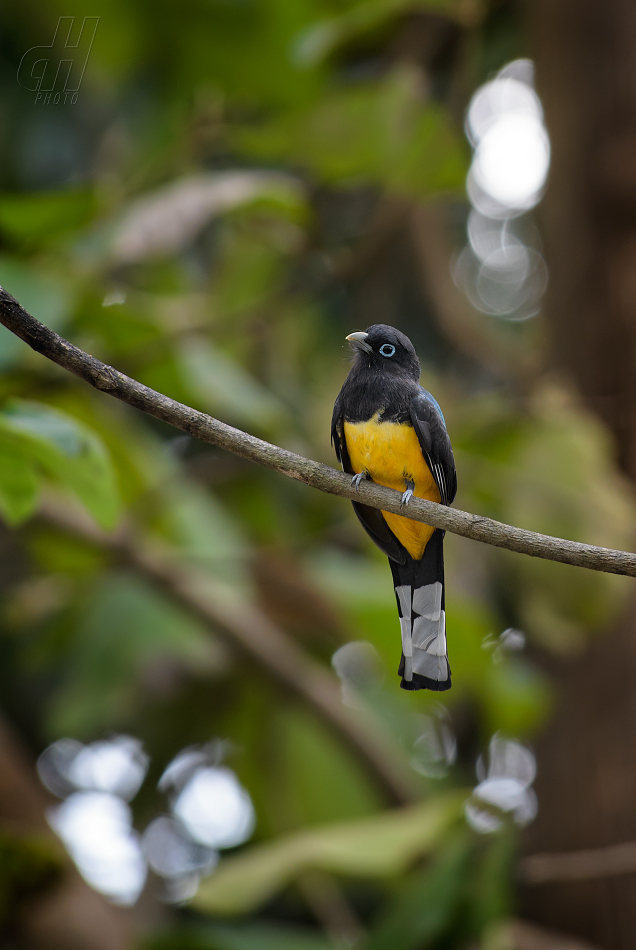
(387, 349)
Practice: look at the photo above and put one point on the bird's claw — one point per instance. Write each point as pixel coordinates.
(408, 494)
(357, 479)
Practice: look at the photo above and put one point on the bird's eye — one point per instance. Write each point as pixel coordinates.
(387, 349)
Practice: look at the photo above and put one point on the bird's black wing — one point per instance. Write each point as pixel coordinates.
(337, 433)
(370, 518)
(429, 425)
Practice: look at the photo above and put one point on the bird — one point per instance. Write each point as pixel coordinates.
(390, 430)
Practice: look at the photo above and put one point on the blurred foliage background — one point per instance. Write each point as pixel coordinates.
(239, 184)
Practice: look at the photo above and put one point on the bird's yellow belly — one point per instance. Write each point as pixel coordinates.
(391, 454)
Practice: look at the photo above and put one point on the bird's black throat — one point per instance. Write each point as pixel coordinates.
(367, 392)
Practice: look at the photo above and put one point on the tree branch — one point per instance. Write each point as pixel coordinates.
(326, 479)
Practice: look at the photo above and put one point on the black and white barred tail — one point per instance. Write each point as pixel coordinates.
(419, 590)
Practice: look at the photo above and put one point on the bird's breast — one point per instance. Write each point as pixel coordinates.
(391, 454)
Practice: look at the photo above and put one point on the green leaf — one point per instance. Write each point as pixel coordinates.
(426, 905)
(322, 39)
(168, 220)
(375, 847)
(124, 627)
(250, 270)
(44, 296)
(516, 697)
(19, 486)
(65, 450)
(222, 386)
(492, 884)
(374, 132)
(205, 531)
(322, 781)
(434, 160)
(34, 217)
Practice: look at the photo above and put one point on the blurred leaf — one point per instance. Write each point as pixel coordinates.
(203, 528)
(321, 780)
(371, 132)
(19, 486)
(223, 387)
(166, 221)
(516, 697)
(357, 581)
(67, 451)
(30, 218)
(123, 630)
(575, 493)
(433, 161)
(549, 470)
(45, 297)
(323, 38)
(143, 462)
(492, 886)
(426, 904)
(54, 551)
(127, 329)
(372, 847)
(250, 271)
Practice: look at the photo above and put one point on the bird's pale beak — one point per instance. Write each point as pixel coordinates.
(358, 340)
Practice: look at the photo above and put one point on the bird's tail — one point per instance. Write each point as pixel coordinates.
(419, 590)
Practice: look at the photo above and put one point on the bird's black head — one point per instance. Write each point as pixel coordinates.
(385, 350)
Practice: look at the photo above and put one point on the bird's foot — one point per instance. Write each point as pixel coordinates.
(408, 494)
(357, 479)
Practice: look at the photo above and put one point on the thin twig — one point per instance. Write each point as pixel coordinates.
(522, 935)
(588, 865)
(331, 908)
(205, 427)
(260, 639)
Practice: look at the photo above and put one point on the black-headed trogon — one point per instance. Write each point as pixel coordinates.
(389, 429)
